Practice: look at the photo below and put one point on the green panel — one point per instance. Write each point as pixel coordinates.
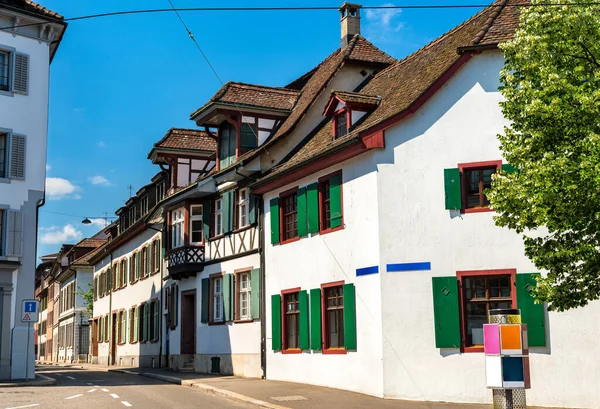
(228, 297)
(532, 314)
(138, 258)
(508, 168)
(312, 199)
(315, 319)
(335, 200)
(276, 322)
(146, 321)
(205, 302)
(228, 211)
(248, 138)
(227, 142)
(349, 317)
(252, 201)
(206, 216)
(445, 312)
(452, 189)
(156, 320)
(255, 293)
(301, 200)
(303, 320)
(136, 324)
(274, 211)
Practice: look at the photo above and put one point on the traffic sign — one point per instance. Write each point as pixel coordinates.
(29, 312)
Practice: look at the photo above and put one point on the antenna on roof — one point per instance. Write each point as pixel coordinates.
(130, 190)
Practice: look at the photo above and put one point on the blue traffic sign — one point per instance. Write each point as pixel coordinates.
(30, 306)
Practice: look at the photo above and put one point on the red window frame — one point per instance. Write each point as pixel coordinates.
(461, 275)
(465, 167)
(284, 349)
(323, 184)
(326, 348)
(337, 114)
(291, 193)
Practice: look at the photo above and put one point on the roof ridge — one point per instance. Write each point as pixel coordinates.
(490, 21)
(281, 89)
(361, 37)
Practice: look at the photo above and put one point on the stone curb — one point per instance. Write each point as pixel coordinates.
(46, 382)
(205, 388)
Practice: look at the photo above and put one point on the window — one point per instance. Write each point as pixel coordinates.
(177, 228)
(144, 205)
(4, 71)
(290, 217)
(153, 324)
(291, 321)
(132, 325)
(243, 208)
(330, 202)
(475, 182)
(188, 170)
(3, 153)
(227, 145)
(106, 327)
(135, 332)
(123, 274)
(196, 224)
(218, 217)
(1, 222)
(160, 191)
(132, 215)
(334, 317)
(218, 299)
(465, 186)
(248, 134)
(144, 263)
(133, 268)
(341, 124)
(244, 285)
(142, 321)
(325, 205)
(156, 256)
(122, 326)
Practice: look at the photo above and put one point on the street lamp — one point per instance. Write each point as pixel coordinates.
(86, 221)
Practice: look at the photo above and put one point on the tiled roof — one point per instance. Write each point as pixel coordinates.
(32, 7)
(237, 93)
(96, 244)
(356, 97)
(189, 139)
(364, 51)
(402, 83)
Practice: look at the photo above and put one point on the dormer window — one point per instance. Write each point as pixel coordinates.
(341, 124)
(144, 204)
(347, 109)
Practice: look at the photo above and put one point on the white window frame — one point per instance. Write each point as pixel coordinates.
(243, 208)
(177, 228)
(245, 292)
(218, 299)
(218, 217)
(195, 218)
(160, 191)
(144, 204)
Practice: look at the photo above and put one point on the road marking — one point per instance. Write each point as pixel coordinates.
(114, 395)
(96, 386)
(27, 406)
(88, 383)
(74, 396)
(70, 377)
(125, 403)
(104, 390)
(92, 390)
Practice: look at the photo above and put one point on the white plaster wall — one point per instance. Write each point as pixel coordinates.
(318, 259)
(459, 124)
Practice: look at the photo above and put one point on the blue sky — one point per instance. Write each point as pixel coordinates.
(119, 83)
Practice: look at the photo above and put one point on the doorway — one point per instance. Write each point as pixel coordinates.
(95, 338)
(188, 322)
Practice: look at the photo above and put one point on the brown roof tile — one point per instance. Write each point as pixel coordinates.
(32, 7)
(364, 51)
(188, 139)
(96, 244)
(356, 97)
(505, 23)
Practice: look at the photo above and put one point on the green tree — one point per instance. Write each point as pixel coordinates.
(88, 297)
(551, 85)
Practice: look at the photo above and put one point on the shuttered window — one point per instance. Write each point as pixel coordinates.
(289, 216)
(17, 157)
(4, 70)
(330, 202)
(3, 154)
(132, 326)
(13, 245)
(291, 321)
(21, 74)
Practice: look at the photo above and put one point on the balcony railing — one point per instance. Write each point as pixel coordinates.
(184, 262)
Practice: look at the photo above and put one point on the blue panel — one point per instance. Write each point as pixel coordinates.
(367, 270)
(512, 369)
(30, 306)
(409, 266)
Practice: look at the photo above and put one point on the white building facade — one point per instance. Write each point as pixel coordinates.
(25, 56)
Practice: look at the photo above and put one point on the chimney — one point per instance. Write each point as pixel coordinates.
(350, 22)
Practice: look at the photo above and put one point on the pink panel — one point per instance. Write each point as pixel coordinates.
(491, 339)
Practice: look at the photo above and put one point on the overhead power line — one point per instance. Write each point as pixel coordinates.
(301, 8)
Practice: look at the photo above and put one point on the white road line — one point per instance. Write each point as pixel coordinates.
(74, 396)
(27, 406)
(96, 386)
(70, 377)
(104, 390)
(125, 403)
(92, 390)
(114, 395)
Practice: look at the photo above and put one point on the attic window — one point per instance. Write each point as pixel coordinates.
(341, 124)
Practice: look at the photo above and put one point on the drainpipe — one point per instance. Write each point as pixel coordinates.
(261, 252)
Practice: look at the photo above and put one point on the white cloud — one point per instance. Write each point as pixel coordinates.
(101, 144)
(383, 24)
(99, 180)
(98, 223)
(48, 167)
(58, 236)
(59, 188)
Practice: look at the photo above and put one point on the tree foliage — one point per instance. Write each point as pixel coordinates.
(551, 85)
(88, 297)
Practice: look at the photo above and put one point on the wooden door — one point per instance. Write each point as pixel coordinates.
(95, 338)
(188, 322)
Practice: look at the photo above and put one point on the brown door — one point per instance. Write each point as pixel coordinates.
(95, 338)
(188, 322)
(113, 340)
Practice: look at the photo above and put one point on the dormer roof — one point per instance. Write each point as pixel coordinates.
(351, 100)
(192, 142)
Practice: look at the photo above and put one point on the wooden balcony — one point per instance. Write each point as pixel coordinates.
(185, 262)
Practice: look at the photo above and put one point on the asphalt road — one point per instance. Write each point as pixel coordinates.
(91, 389)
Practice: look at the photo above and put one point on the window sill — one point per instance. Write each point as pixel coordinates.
(335, 351)
(469, 350)
(291, 351)
(241, 229)
(289, 240)
(331, 230)
(216, 323)
(133, 342)
(243, 321)
(477, 210)
(217, 237)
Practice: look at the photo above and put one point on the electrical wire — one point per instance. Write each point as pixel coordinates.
(75, 215)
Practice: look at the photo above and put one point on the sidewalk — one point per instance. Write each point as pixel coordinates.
(40, 380)
(284, 395)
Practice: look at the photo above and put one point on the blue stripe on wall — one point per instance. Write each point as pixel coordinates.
(409, 266)
(367, 270)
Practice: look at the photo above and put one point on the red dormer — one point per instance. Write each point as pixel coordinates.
(348, 108)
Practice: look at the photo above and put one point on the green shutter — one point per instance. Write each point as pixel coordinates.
(312, 199)
(335, 200)
(146, 321)
(137, 265)
(508, 168)
(303, 320)
(228, 213)
(204, 312)
(148, 259)
(274, 210)
(136, 323)
(276, 322)
(252, 201)
(302, 213)
(156, 319)
(315, 319)
(206, 216)
(255, 293)
(228, 297)
(445, 312)
(452, 189)
(532, 314)
(349, 317)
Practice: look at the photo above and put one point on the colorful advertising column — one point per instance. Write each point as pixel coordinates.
(506, 358)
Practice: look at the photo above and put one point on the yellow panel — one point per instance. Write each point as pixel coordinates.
(513, 319)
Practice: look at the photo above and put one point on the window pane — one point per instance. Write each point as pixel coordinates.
(476, 316)
(291, 331)
(3, 140)
(290, 217)
(3, 71)
(196, 211)
(341, 125)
